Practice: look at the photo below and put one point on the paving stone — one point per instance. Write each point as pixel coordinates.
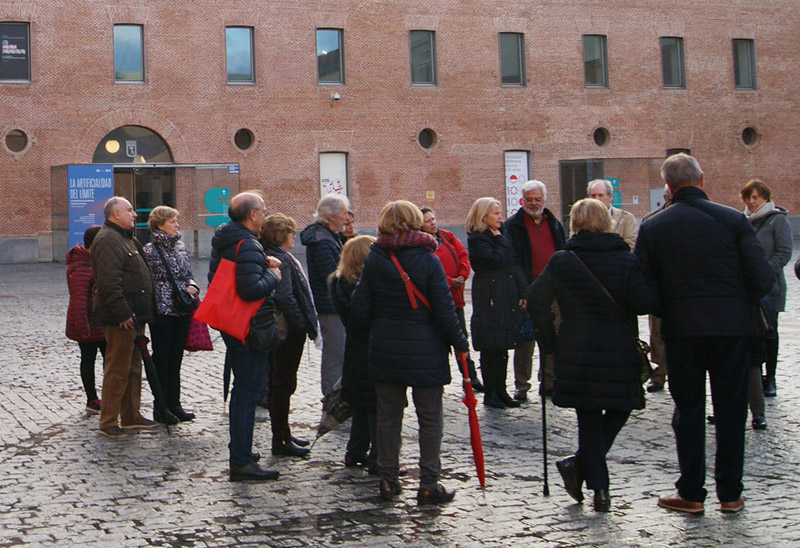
(63, 484)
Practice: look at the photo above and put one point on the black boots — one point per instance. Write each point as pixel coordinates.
(602, 501)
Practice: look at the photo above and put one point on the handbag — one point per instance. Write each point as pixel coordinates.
(263, 335)
(642, 348)
(198, 337)
(182, 300)
(223, 308)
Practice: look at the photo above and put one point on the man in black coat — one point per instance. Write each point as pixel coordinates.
(535, 235)
(710, 269)
(257, 276)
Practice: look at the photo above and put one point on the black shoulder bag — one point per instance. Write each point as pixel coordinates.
(642, 348)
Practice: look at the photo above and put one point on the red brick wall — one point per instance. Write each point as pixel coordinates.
(72, 101)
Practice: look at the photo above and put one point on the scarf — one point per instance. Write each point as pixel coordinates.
(410, 238)
(763, 210)
(299, 269)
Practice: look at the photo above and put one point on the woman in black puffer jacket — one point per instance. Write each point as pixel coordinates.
(410, 337)
(293, 302)
(597, 367)
(497, 288)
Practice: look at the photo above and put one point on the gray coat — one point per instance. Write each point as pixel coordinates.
(775, 235)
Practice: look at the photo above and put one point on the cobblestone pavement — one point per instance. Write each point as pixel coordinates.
(62, 484)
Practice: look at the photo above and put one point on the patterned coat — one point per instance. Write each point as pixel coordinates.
(178, 261)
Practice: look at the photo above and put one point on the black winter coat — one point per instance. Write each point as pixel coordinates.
(708, 268)
(406, 346)
(322, 257)
(497, 287)
(596, 362)
(358, 388)
(515, 227)
(253, 278)
(292, 298)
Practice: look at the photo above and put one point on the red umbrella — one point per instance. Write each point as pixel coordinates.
(474, 429)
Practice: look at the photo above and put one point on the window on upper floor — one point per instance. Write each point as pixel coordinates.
(330, 56)
(744, 64)
(422, 45)
(128, 53)
(239, 66)
(15, 59)
(672, 62)
(512, 59)
(595, 61)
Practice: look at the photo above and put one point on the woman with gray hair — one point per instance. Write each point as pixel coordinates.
(166, 255)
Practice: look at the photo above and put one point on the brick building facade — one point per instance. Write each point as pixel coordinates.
(443, 142)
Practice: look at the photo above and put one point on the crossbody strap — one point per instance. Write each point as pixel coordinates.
(170, 277)
(596, 279)
(411, 289)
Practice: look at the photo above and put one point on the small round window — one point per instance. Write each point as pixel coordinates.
(16, 140)
(601, 136)
(426, 138)
(749, 136)
(243, 139)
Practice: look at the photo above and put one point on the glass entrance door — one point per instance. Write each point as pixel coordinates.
(145, 188)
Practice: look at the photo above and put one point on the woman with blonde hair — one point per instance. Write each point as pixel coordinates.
(403, 295)
(358, 389)
(600, 287)
(293, 302)
(166, 255)
(497, 289)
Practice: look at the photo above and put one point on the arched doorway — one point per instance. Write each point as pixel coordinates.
(138, 154)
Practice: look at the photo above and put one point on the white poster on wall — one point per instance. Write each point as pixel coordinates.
(517, 174)
(332, 173)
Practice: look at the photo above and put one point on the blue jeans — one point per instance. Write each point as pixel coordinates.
(248, 369)
(726, 360)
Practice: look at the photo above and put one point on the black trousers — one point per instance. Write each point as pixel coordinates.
(494, 368)
(88, 356)
(726, 360)
(597, 430)
(283, 364)
(168, 336)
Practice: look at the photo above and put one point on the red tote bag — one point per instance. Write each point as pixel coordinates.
(222, 308)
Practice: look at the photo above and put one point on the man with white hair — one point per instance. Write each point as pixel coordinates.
(323, 248)
(622, 222)
(535, 235)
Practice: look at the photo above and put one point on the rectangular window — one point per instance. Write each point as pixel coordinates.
(595, 61)
(330, 56)
(239, 66)
(672, 62)
(332, 173)
(128, 53)
(744, 64)
(423, 56)
(512, 59)
(15, 58)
